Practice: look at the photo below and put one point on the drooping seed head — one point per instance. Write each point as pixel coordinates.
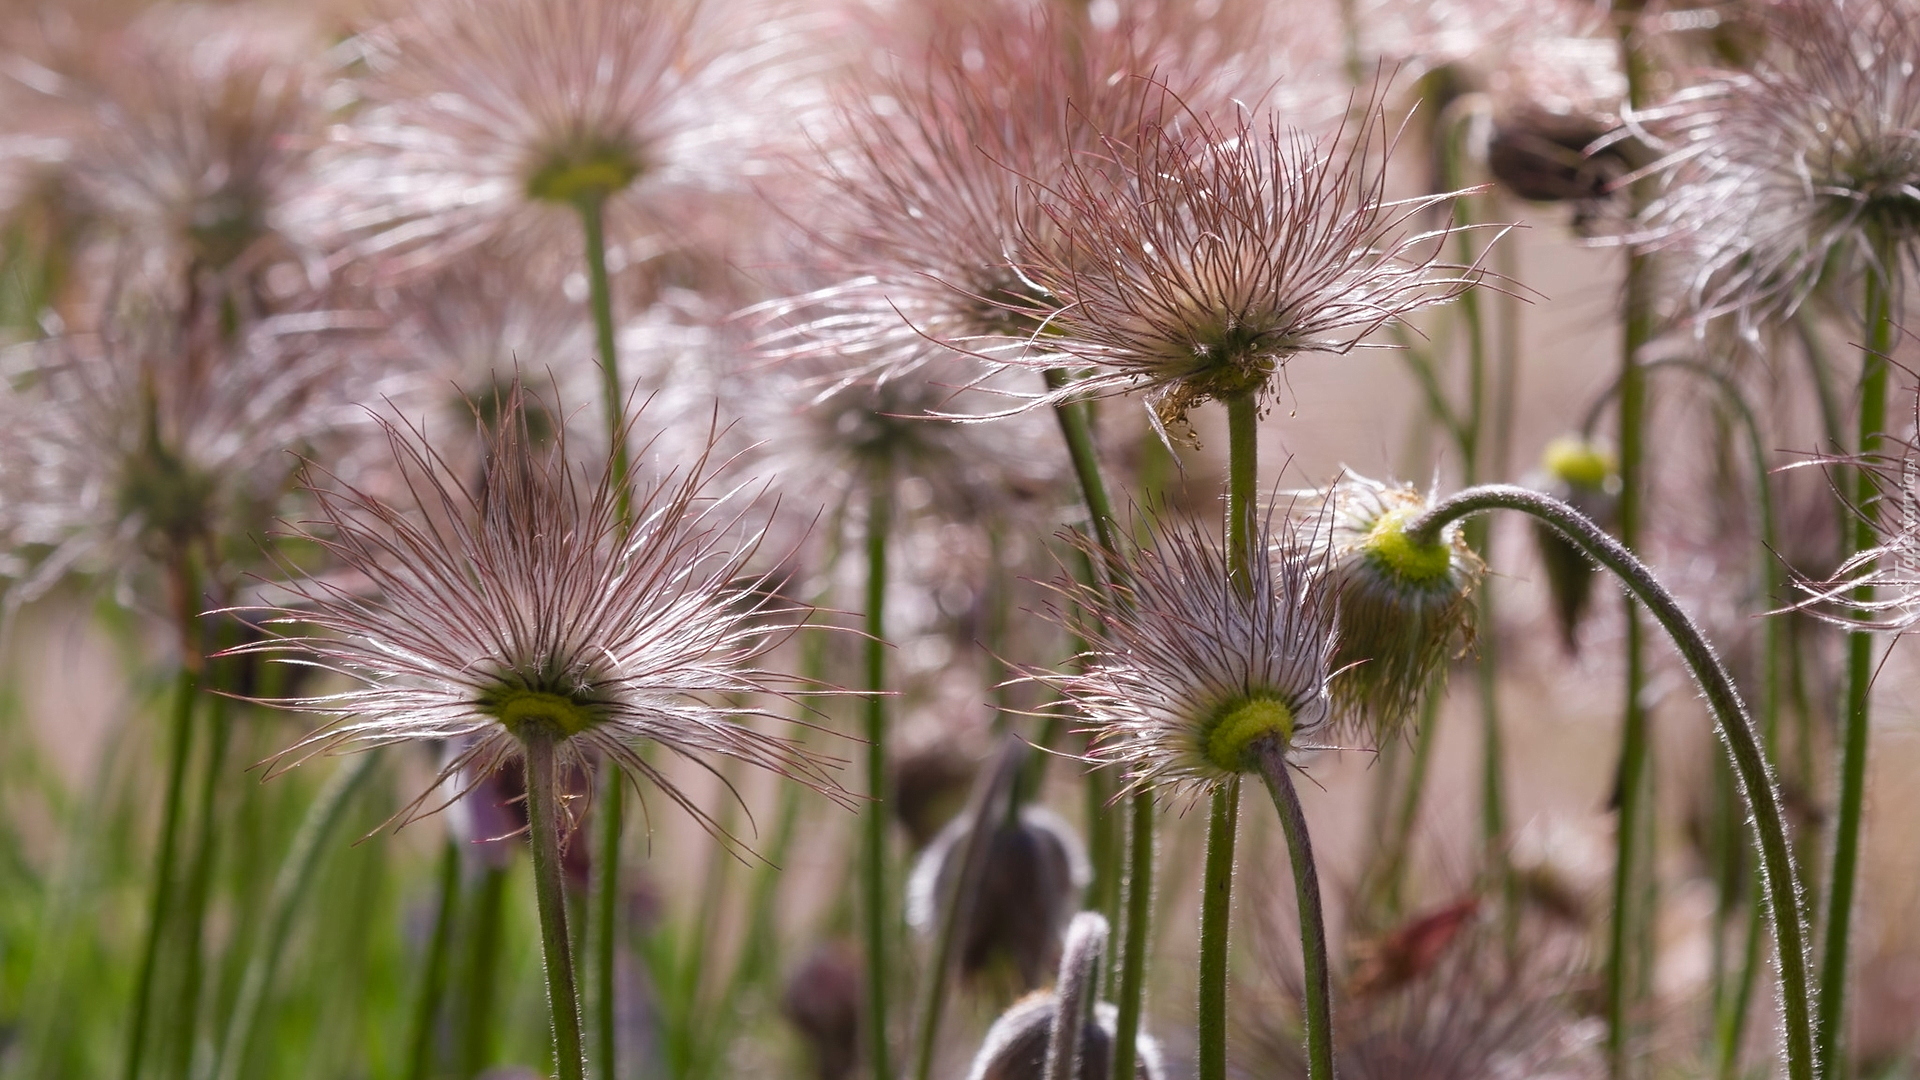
(1583, 474)
(1405, 606)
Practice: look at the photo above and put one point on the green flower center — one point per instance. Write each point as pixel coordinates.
(1389, 547)
(1578, 462)
(592, 170)
(522, 711)
(1228, 743)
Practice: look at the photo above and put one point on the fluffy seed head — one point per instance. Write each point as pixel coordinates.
(488, 120)
(1191, 668)
(521, 606)
(1807, 165)
(1195, 258)
(1891, 568)
(1403, 607)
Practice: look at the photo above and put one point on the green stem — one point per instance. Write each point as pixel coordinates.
(873, 850)
(1134, 943)
(482, 973)
(556, 946)
(1635, 777)
(200, 886)
(292, 885)
(1216, 902)
(1399, 841)
(160, 905)
(602, 920)
(1743, 745)
(1829, 1034)
(1078, 432)
(1271, 754)
(1243, 432)
(433, 979)
(602, 933)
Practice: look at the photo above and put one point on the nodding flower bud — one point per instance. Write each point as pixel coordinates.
(822, 1000)
(1063, 1035)
(1403, 605)
(1583, 474)
(1028, 885)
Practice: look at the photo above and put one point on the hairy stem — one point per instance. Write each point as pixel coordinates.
(1750, 763)
(1216, 903)
(1271, 754)
(1828, 1034)
(873, 848)
(556, 945)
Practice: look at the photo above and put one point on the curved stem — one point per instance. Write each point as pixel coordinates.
(160, 905)
(1271, 754)
(873, 849)
(1750, 763)
(1073, 995)
(1860, 669)
(1216, 903)
(291, 885)
(556, 946)
(600, 298)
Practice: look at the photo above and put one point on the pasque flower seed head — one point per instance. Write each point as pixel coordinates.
(524, 607)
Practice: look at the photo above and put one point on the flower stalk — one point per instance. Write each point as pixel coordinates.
(1860, 672)
(1270, 754)
(873, 835)
(556, 944)
(160, 905)
(1750, 762)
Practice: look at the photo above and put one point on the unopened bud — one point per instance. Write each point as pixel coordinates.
(1583, 474)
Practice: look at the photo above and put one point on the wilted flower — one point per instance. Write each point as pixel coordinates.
(1195, 258)
(1021, 1040)
(1189, 668)
(521, 608)
(1468, 1007)
(1403, 607)
(490, 120)
(1031, 876)
(1584, 475)
(1806, 166)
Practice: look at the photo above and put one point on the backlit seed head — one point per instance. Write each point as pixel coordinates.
(1404, 607)
(1583, 474)
(1190, 667)
(1800, 172)
(523, 607)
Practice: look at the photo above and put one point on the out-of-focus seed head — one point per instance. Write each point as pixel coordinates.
(522, 607)
(1190, 667)
(1891, 567)
(822, 1000)
(1584, 474)
(491, 121)
(1194, 258)
(1032, 874)
(1799, 172)
(929, 786)
(1403, 607)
